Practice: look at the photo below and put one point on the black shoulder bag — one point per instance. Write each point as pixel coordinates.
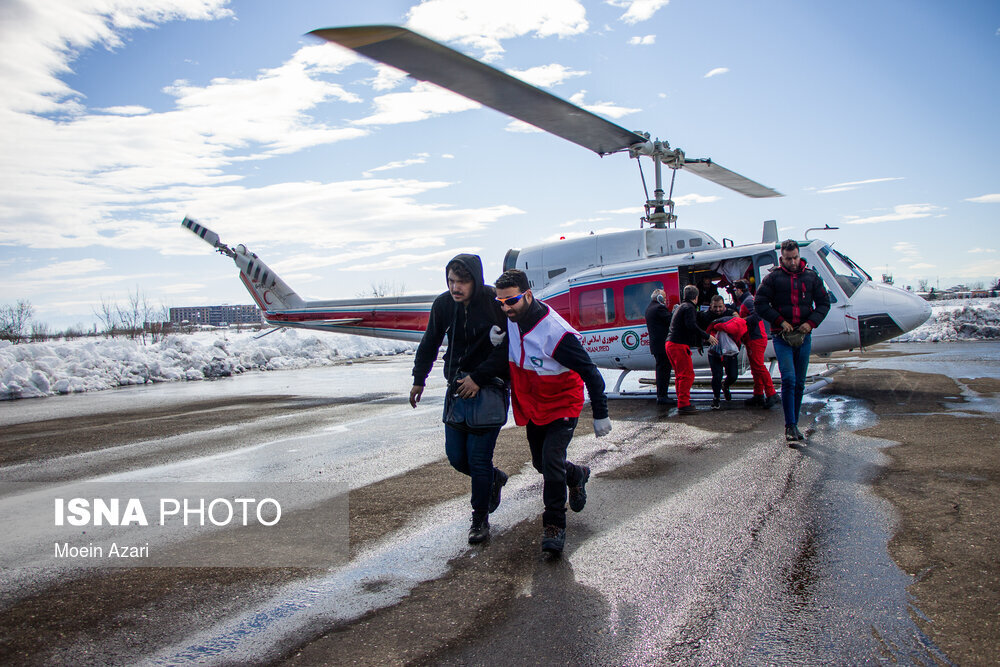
(487, 409)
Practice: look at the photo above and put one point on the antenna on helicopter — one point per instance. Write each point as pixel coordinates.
(819, 229)
(427, 60)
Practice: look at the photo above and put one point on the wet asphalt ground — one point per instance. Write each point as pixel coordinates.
(705, 539)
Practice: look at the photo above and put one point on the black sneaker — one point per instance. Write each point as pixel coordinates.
(726, 394)
(798, 433)
(578, 494)
(480, 529)
(688, 410)
(771, 400)
(757, 401)
(553, 539)
(499, 480)
(715, 404)
(791, 433)
(669, 402)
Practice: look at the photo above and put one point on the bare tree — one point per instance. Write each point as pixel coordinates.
(14, 320)
(39, 332)
(107, 315)
(383, 289)
(923, 284)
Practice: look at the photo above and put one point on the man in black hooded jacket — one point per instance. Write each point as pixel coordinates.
(466, 313)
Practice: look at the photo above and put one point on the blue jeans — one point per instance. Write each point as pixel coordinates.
(793, 363)
(471, 453)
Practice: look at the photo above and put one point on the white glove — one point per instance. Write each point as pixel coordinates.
(602, 427)
(496, 335)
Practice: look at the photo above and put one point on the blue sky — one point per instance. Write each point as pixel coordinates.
(121, 118)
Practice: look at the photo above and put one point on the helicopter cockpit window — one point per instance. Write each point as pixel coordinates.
(637, 297)
(596, 307)
(848, 277)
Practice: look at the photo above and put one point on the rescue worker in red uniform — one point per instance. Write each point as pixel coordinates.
(685, 334)
(549, 368)
(764, 394)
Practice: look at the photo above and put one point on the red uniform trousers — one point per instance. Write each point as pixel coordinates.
(762, 384)
(680, 359)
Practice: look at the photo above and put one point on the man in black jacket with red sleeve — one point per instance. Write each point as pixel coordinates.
(794, 300)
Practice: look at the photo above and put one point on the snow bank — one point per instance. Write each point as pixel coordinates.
(968, 319)
(45, 369)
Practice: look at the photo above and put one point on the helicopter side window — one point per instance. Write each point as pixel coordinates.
(843, 272)
(637, 297)
(596, 307)
(680, 243)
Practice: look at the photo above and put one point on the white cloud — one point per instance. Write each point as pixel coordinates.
(716, 72)
(65, 269)
(899, 213)
(986, 199)
(546, 76)
(608, 109)
(386, 77)
(982, 250)
(424, 100)
(521, 126)
(638, 10)
(908, 250)
(853, 185)
(482, 25)
(129, 110)
(922, 265)
(692, 198)
(409, 259)
(398, 164)
(642, 41)
(46, 36)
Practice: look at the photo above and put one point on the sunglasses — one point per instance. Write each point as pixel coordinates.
(511, 300)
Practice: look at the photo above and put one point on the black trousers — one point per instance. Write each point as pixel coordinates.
(718, 364)
(548, 445)
(663, 370)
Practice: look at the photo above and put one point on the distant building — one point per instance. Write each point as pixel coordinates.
(216, 315)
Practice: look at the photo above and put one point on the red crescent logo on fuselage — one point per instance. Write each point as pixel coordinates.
(267, 299)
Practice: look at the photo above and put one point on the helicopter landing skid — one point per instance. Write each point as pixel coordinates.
(743, 388)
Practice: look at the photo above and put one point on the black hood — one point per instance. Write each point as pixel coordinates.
(475, 266)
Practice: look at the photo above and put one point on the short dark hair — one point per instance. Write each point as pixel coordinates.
(716, 297)
(690, 292)
(460, 270)
(513, 278)
(789, 244)
(741, 285)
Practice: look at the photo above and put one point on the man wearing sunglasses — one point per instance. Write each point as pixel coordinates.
(465, 314)
(549, 368)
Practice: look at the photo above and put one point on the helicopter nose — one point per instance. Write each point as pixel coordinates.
(907, 309)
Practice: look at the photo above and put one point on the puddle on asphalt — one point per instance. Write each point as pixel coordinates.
(846, 599)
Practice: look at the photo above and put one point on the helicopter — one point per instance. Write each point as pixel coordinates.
(601, 284)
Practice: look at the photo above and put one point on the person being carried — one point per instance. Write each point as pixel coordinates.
(465, 314)
(548, 370)
(685, 334)
(794, 300)
(764, 395)
(658, 326)
(723, 320)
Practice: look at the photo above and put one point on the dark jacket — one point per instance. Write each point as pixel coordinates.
(571, 354)
(468, 329)
(748, 313)
(684, 328)
(792, 296)
(658, 325)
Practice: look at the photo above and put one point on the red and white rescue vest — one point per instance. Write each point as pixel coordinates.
(542, 389)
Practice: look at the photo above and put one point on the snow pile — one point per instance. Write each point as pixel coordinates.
(44, 369)
(971, 319)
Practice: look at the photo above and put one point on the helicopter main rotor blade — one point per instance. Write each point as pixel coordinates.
(427, 60)
(730, 179)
